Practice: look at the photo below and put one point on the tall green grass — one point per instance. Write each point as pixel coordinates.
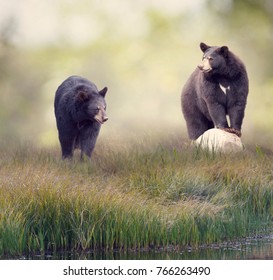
(131, 197)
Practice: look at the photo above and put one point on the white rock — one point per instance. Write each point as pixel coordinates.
(218, 140)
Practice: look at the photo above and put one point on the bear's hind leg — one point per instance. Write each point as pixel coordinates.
(197, 126)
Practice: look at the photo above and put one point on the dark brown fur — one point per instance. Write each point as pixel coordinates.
(80, 111)
(204, 104)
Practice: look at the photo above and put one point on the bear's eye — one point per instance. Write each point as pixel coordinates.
(210, 58)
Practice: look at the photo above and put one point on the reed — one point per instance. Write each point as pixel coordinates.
(131, 197)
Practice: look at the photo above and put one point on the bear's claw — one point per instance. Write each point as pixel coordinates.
(233, 131)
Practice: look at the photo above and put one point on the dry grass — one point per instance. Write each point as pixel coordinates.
(131, 196)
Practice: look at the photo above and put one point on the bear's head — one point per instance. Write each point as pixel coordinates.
(214, 59)
(90, 104)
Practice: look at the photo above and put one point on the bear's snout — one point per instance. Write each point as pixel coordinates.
(101, 116)
(105, 118)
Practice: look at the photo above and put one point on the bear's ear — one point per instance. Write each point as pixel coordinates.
(82, 96)
(223, 51)
(204, 47)
(103, 92)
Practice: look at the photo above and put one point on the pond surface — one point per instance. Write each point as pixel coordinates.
(252, 248)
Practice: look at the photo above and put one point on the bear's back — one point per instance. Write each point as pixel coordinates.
(70, 87)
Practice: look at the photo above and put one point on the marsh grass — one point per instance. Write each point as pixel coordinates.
(133, 195)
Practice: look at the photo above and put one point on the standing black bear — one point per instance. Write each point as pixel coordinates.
(80, 111)
(218, 87)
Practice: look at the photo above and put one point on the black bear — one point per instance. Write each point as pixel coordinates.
(218, 87)
(80, 109)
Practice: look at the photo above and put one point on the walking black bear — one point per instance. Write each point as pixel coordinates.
(80, 111)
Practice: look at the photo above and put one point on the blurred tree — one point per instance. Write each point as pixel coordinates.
(250, 22)
(20, 84)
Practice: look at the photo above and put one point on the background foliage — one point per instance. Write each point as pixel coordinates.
(142, 50)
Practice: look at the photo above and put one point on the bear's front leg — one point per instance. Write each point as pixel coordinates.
(215, 101)
(67, 145)
(236, 103)
(88, 137)
(218, 114)
(236, 115)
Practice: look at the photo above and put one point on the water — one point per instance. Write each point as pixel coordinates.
(253, 248)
